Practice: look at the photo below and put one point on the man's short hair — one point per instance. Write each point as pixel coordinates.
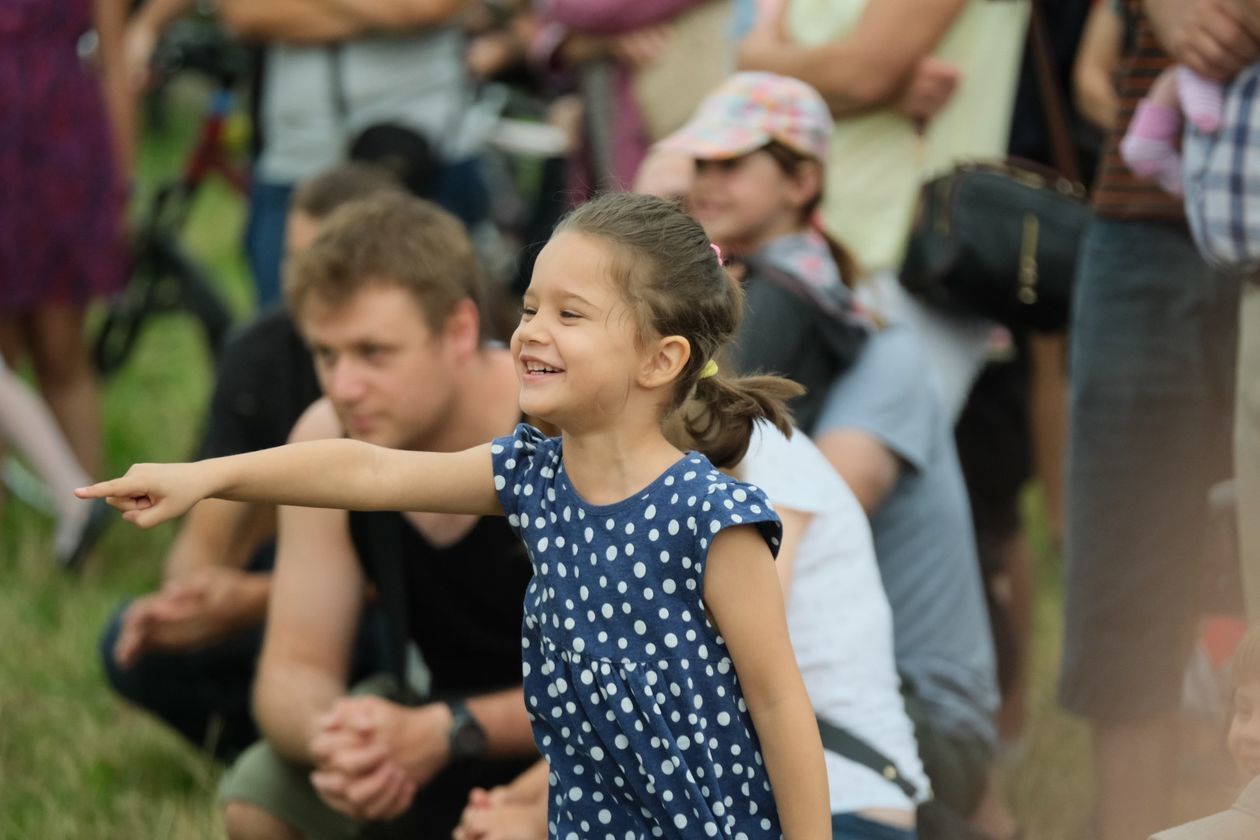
(390, 239)
(321, 194)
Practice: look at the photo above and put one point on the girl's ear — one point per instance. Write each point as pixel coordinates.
(806, 182)
(665, 362)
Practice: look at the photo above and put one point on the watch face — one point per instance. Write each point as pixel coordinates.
(467, 739)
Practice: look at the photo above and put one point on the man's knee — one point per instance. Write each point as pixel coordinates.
(244, 821)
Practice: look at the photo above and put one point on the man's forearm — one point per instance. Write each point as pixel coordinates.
(502, 715)
(288, 700)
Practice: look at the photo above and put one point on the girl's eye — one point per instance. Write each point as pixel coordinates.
(527, 311)
(565, 313)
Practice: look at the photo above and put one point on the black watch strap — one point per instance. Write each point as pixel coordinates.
(466, 737)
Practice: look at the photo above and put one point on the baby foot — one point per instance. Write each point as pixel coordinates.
(1202, 100)
(1148, 146)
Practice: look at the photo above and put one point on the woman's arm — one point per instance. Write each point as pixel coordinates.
(742, 594)
(868, 67)
(1096, 61)
(345, 474)
(110, 18)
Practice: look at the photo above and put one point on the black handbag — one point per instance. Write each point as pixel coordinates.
(1000, 238)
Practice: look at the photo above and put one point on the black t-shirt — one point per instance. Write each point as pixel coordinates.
(463, 603)
(265, 381)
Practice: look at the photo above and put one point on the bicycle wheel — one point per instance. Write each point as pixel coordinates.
(164, 279)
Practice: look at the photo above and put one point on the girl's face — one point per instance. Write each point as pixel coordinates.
(1244, 729)
(745, 202)
(576, 346)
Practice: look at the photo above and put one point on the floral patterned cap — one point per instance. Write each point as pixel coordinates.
(749, 110)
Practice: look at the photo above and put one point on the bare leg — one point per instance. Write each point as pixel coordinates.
(248, 822)
(1048, 409)
(66, 378)
(992, 816)
(1017, 594)
(1136, 766)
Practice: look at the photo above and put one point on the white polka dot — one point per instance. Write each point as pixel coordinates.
(499, 482)
(640, 570)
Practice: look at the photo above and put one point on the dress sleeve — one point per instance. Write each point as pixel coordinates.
(730, 503)
(517, 461)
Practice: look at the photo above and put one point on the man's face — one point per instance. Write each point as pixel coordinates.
(390, 378)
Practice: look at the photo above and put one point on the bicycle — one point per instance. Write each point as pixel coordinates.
(164, 277)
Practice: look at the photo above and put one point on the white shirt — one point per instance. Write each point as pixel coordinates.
(839, 619)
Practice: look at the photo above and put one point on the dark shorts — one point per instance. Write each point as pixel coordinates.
(1152, 352)
(956, 763)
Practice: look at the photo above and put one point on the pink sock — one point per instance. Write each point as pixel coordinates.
(1202, 100)
(1149, 146)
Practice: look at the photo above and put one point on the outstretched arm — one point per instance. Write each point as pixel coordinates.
(345, 474)
(742, 593)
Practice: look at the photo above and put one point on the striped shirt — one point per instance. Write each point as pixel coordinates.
(1118, 193)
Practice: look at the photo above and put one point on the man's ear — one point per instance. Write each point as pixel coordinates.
(463, 329)
(665, 362)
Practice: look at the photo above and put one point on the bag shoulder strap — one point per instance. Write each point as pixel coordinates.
(1053, 108)
(844, 743)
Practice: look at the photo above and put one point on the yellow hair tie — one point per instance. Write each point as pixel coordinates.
(710, 369)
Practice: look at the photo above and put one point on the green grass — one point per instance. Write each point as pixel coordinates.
(76, 763)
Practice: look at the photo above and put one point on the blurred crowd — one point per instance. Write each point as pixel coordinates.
(359, 674)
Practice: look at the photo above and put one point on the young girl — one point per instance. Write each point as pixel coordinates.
(841, 629)
(658, 671)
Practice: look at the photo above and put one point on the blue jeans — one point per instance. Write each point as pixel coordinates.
(204, 694)
(855, 827)
(1152, 352)
(458, 188)
(264, 238)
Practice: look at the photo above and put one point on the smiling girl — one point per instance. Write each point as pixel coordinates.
(658, 672)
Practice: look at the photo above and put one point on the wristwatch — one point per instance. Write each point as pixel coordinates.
(466, 737)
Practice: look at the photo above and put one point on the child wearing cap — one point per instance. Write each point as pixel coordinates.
(1242, 821)
(748, 165)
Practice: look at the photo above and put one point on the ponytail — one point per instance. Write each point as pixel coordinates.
(718, 419)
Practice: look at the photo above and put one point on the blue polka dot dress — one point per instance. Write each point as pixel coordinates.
(631, 691)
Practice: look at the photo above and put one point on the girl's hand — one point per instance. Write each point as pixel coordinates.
(150, 494)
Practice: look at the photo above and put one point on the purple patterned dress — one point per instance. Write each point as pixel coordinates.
(61, 199)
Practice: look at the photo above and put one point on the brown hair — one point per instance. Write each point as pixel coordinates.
(388, 239)
(668, 272)
(1246, 663)
(790, 162)
(321, 194)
